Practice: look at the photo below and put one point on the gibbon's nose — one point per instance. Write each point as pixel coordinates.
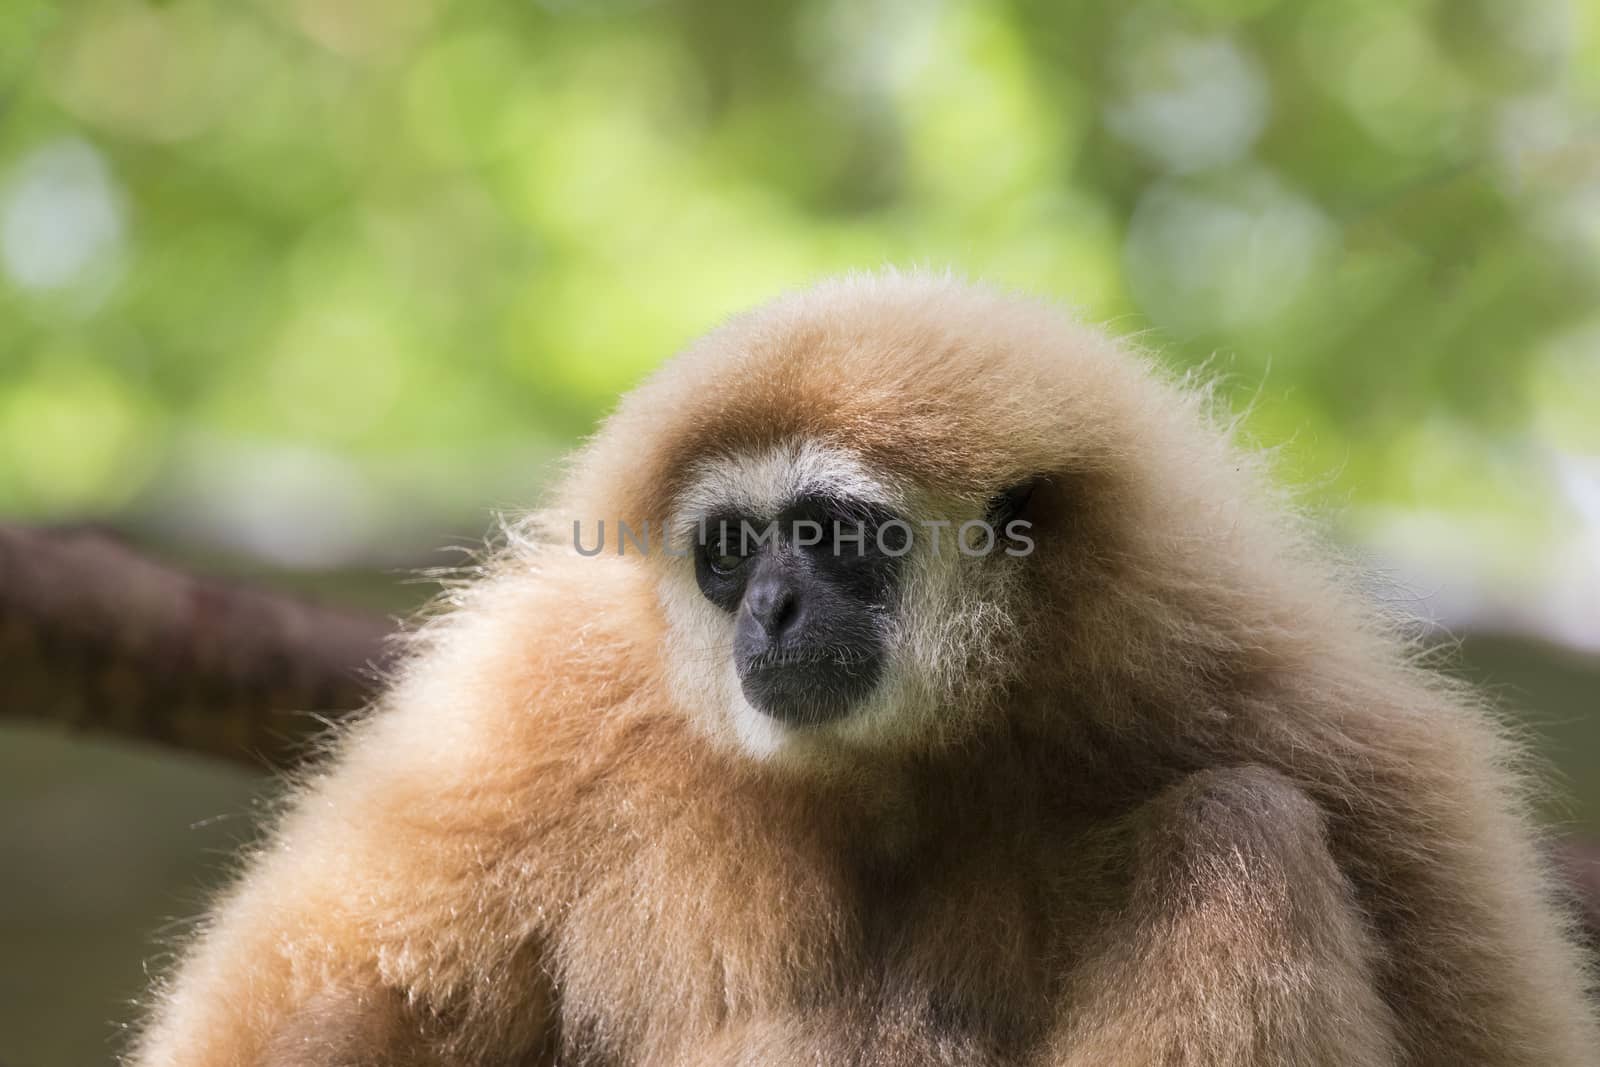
(773, 600)
(806, 654)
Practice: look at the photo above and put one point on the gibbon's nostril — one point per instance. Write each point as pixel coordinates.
(773, 603)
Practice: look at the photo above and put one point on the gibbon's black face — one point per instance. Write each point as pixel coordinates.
(811, 589)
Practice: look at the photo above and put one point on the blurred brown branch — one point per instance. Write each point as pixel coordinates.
(95, 636)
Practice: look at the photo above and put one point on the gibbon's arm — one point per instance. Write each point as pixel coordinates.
(360, 936)
(1427, 819)
(1386, 906)
(396, 915)
(1239, 942)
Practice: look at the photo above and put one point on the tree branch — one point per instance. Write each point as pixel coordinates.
(95, 636)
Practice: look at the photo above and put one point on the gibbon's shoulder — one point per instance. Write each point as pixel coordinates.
(539, 676)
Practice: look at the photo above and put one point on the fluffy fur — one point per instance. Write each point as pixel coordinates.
(1165, 791)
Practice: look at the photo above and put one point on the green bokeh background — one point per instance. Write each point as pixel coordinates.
(305, 288)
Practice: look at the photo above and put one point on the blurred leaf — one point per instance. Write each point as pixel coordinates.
(377, 232)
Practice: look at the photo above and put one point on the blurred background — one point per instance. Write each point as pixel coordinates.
(303, 290)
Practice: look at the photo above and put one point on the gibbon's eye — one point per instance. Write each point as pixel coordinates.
(724, 562)
(725, 551)
(1012, 503)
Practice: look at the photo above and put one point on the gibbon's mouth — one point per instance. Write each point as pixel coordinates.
(809, 688)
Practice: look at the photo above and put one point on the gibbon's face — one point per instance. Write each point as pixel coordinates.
(838, 473)
(823, 604)
(810, 584)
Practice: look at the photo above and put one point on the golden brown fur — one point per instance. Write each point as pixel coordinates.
(1187, 803)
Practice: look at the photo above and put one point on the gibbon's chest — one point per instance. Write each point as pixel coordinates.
(721, 929)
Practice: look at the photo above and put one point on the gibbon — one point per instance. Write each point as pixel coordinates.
(905, 674)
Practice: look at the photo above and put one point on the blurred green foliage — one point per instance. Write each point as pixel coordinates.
(377, 256)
